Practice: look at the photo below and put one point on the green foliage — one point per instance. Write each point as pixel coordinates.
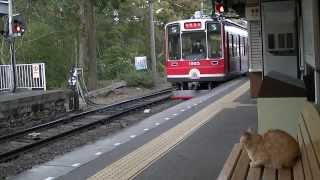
(52, 49)
(135, 78)
(114, 63)
(53, 36)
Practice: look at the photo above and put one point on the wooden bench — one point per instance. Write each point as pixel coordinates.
(237, 166)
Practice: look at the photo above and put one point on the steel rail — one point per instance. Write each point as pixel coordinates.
(72, 117)
(16, 152)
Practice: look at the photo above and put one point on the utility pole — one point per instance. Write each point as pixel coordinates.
(152, 45)
(202, 6)
(12, 47)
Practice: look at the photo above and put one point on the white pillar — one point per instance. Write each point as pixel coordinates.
(10, 14)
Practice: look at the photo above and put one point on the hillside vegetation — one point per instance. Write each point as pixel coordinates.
(102, 36)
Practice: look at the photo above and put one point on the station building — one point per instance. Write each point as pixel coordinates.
(284, 59)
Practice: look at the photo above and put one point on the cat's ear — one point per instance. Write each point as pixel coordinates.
(251, 131)
(246, 134)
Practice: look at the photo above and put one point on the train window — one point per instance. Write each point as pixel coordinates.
(247, 46)
(214, 27)
(214, 40)
(174, 29)
(194, 45)
(174, 48)
(244, 45)
(271, 41)
(289, 40)
(281, 40)
(231, 45)
(235, 46)
(241, 45)
(238, 46)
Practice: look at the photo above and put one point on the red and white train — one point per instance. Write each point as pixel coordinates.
(203, 51)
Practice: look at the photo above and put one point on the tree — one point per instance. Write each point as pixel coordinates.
(84, 32)
(87, 42)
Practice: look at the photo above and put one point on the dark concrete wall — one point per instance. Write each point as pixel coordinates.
(21, 110)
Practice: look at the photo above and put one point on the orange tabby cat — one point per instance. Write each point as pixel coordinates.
(273, 149)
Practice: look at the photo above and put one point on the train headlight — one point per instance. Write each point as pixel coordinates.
(194, 74)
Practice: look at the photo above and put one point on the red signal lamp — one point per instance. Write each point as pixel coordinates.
(219, 8)
(18, 28)
(192, 25)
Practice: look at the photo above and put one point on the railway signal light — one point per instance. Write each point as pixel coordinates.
(18, 26)
(218, 7)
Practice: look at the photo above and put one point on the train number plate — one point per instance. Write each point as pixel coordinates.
(194, 63)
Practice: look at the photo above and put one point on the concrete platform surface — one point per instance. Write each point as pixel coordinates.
(200, 155)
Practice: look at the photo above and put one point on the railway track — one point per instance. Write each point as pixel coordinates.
(13, 145)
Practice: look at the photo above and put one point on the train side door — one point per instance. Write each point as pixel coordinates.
(227, 52)
(232, 48)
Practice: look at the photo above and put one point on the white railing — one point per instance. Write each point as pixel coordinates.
(29, 76)
(5, 77)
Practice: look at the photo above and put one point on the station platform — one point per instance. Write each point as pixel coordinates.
(189, 141)
(23, 105)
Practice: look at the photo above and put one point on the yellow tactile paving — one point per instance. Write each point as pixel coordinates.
(132, 164)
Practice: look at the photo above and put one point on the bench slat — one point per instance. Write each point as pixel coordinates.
(284, 174)
(312, 122)
(242, 167)
(298, 171)
(306, 168)
(254, 174)
(310, 152)
(309, 147)
(229, 165)
(269, 174)
(304, 158)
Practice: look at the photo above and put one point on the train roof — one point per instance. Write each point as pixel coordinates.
(208, 18)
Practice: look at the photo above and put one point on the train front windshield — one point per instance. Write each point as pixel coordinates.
(196, 45)
(214, 40)
(174, 48)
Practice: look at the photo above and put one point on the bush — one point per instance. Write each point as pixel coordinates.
(135, 78)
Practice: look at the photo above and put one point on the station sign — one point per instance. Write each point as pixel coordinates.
(140, 63)
(4, 7)
(35, 71)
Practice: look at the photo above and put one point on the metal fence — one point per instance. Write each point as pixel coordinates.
(5, 77)
(29, 76)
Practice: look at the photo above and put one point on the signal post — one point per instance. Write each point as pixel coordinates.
(12, 47)
(14, 26)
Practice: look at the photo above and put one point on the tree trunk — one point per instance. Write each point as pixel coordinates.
(83, 36)
(2, 56)
(92, 53)
(87, 42)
